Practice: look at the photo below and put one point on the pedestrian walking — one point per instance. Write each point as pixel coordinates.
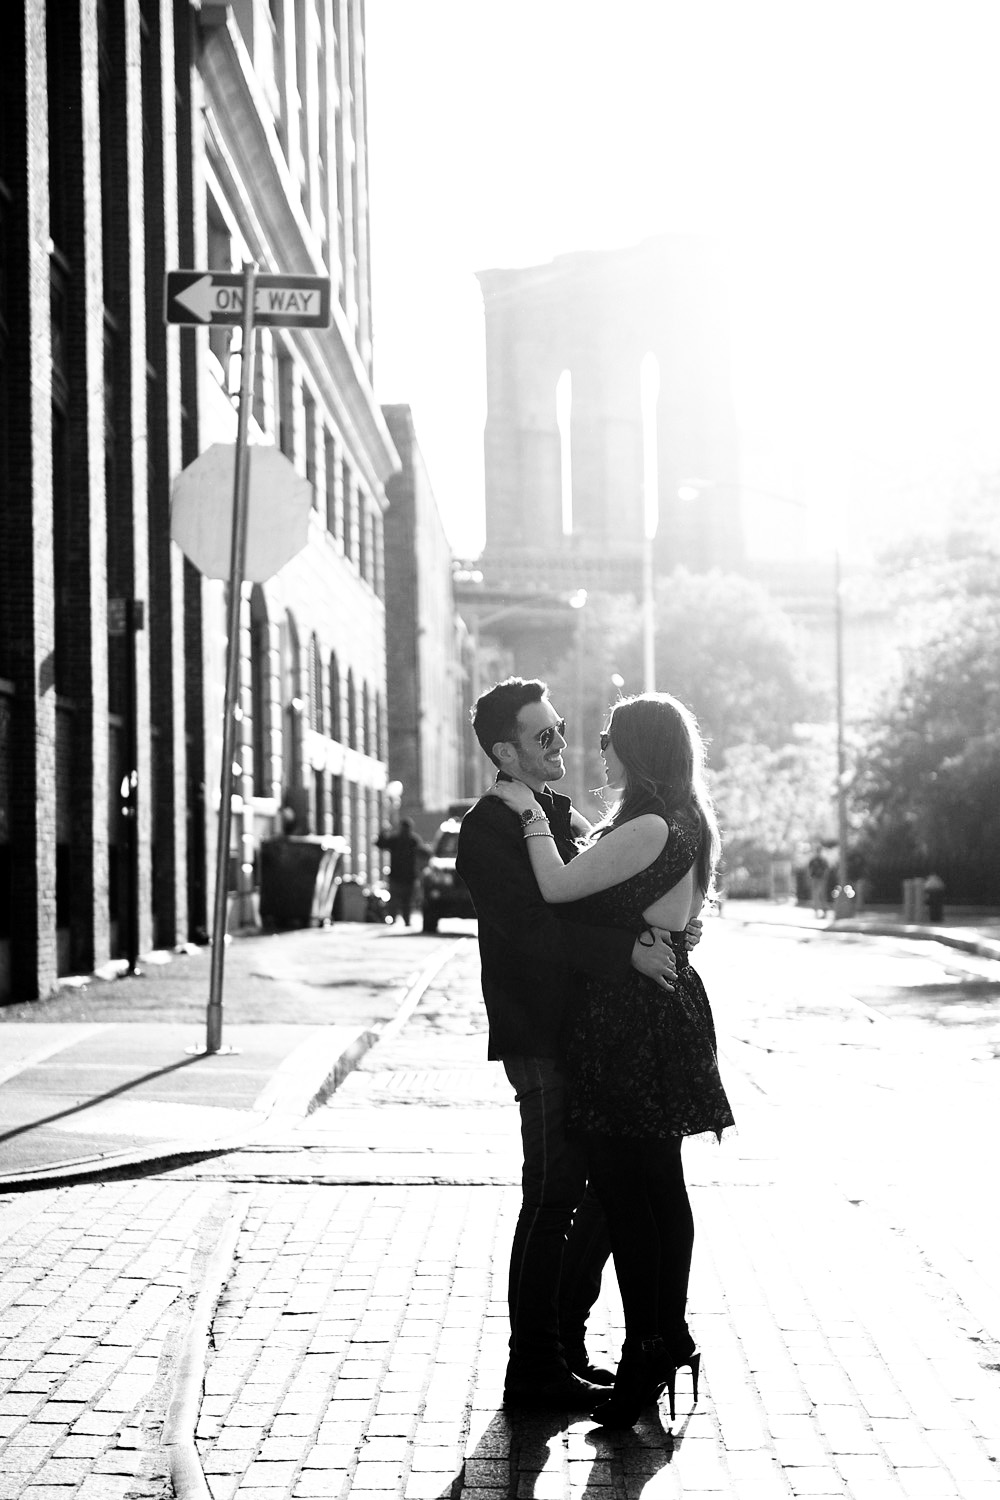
(819, 883)
(406, 853)
(643, 1074)
(529, 954)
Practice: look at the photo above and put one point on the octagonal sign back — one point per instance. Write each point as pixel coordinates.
(278, 505)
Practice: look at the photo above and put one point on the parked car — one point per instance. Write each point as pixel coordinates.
(442, 892)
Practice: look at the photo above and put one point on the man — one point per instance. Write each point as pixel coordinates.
(529, 956)
(405, 850)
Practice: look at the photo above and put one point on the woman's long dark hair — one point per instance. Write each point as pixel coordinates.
(658, 743)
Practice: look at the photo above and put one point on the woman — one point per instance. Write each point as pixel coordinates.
(642, 1066)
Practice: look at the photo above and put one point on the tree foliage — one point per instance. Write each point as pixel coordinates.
(732, 655)
(776, 800)
(928, 779)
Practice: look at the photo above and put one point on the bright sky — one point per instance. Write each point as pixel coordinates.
(844, 154)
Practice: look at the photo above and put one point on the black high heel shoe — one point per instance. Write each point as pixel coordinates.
(643, 1371)
(693, 1361)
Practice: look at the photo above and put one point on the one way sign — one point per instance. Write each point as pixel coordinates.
(215, 298)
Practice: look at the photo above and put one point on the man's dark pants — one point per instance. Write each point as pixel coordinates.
(561, 1241)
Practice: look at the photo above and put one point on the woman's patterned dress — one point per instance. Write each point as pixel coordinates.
(641, 1062)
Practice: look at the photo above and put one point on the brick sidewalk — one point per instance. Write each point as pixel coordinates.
(92, 1302)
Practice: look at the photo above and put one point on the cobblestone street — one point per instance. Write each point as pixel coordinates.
(353, 1272)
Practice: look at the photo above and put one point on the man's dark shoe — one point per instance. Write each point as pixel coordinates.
(565, 1392)
(579, 1362)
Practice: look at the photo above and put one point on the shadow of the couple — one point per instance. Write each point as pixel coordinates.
(519, 1453)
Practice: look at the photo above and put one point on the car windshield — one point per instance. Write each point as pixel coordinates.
(447, 845)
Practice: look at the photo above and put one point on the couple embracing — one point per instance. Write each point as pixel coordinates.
(605, 1033)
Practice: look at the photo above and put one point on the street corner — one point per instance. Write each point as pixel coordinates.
(104, 1097)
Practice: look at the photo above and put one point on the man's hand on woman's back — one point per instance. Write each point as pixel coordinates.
(654, 957)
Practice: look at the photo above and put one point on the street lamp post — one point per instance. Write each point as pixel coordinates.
(690, 490)
(649, 390)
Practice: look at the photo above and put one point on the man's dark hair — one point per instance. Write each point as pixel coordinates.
(494, 714)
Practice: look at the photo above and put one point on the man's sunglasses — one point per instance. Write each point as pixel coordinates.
(544, 737)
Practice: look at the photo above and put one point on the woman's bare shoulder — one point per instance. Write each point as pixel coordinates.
(647, 828)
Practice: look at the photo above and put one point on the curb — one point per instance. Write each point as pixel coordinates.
(279, 1109)
(983, 947)
(181, 1424)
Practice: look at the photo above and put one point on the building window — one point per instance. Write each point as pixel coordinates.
(318, 721)
(338, 128)
(317, 718)
(291, 720)
(309, 431)
(378, 550)
(260, 692)
(352, 712)
(335, 725)
(350, 504)
(261, 352)
(334, 508)
(220, 258)
(285, 401)
(366, 743)
(363, 534)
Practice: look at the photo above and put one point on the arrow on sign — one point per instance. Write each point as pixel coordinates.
(199, 298)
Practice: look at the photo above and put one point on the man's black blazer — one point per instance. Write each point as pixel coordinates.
(528, 953)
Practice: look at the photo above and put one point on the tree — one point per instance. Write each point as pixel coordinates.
(775, 801)
(731, 654)
(929, 774)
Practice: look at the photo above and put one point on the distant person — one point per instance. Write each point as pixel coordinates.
(642, 1073)
(406, 854)
(531, 959)
(819, 883)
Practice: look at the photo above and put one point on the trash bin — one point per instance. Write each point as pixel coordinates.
(352, 901)
(934, 896)
(299, 877)
(913, 900)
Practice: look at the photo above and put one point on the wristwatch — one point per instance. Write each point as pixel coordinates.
(532, 815)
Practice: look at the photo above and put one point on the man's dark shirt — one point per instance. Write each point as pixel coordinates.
(528, 954)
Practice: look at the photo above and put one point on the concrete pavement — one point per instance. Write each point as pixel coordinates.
(111, 1074)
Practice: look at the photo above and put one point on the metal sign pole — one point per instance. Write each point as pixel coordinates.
(237, 564)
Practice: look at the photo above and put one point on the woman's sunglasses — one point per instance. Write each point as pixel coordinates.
(605, 739)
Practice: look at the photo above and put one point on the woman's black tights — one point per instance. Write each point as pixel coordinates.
(640, 1184)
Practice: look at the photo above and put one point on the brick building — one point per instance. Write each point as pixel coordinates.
(426, 640)
(135, 137)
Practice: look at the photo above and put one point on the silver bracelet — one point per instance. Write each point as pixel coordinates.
(539, 833)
